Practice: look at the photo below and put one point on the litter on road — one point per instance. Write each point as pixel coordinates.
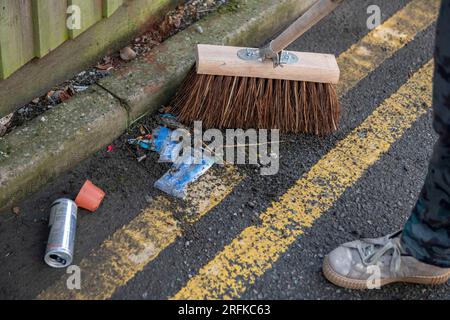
(90, 197)
(61, 239)
(184, 170)
(177, 179)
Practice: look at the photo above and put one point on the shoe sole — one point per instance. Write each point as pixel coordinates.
(349, 283)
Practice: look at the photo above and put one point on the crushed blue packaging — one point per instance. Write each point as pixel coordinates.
(183, 171)
(177, 179)
(161, 137)
(160, 142)
(144, 144)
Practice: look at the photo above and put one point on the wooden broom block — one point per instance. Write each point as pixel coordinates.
(223, 61)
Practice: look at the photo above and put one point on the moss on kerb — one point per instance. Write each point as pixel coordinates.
(232, 6)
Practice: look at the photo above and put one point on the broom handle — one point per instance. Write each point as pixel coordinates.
(319, 10)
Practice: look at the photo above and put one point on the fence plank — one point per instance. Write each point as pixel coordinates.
(16, 35)
(110, 6)
(91, 12)
(49, 23)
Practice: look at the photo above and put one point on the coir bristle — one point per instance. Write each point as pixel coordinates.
(240, 102)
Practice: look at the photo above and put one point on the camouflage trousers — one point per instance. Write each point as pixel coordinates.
(426, 235)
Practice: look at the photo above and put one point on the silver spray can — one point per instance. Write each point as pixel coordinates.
(61, 240)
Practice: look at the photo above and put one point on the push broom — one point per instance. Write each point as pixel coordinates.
(266, 88)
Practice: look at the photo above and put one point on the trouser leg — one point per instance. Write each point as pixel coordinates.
(426, 235)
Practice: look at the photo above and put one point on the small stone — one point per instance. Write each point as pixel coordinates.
(148, 198)
(16, 210)
(127, 54)
(199, 29)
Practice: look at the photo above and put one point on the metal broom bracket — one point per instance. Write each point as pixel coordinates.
(265, 53)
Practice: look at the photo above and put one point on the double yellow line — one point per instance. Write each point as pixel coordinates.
(254, 251)
(135, 245)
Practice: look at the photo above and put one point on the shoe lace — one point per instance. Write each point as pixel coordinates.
(371, 251)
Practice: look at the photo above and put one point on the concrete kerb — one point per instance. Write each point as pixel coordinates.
(33, 155)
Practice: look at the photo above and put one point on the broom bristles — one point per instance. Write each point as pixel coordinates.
(239, 102)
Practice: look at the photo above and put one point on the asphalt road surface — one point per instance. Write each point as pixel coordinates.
(242, 235)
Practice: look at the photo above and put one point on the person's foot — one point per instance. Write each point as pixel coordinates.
(372, 263)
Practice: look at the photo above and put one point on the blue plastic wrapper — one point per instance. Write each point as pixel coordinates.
(161, 137)
(144, 144)
(183, 172)
(177, 179)
(160, 142)
(170, 151)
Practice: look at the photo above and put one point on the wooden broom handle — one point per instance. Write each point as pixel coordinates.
(319, 10)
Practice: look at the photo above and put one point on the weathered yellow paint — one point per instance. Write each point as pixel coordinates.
(201, 202)
(133, 246)
(258, 247)
(382, 42)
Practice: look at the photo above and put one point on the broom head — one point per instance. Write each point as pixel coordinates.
(225, 91)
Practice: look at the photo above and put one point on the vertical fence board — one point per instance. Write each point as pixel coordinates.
(91, 12)
(110, 6)
(33, 28)
(49, 24)
(16, 35)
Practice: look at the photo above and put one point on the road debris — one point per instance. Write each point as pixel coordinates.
(127, 54)
(184, 170)
(199, 29)
(142, 158)
(90, 197)
(61, 239)
(177, 179)
(6, 124)
(169, 120)
(80, 88)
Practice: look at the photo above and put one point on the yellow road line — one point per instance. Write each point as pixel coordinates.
(133, 246)
(255, 250)
(381, 43)
(203, 199)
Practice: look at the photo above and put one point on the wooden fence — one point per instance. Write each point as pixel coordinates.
(33, 28)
